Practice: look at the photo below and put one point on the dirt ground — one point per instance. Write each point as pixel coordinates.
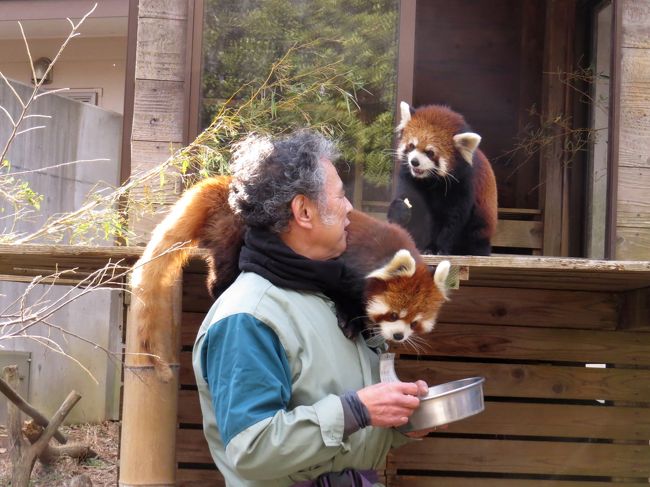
(103, 438)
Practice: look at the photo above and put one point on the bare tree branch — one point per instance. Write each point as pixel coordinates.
(28, 409)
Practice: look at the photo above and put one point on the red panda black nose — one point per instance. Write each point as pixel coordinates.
(398, 336)
(415, 162)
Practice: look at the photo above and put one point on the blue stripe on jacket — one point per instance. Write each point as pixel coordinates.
(247, 372)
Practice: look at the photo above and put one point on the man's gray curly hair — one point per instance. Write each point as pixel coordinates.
(268, 173)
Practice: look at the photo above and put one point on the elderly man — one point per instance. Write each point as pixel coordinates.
(287, 399)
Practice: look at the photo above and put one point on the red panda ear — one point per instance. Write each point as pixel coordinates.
(466, 143)
(405, 115)
(401, 265)
(440, 277)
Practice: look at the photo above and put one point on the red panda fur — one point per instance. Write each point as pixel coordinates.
(451, 203)
(202, 218)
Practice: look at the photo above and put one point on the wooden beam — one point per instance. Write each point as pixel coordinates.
(558, 59)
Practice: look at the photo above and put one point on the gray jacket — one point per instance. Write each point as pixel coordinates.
(304, 438)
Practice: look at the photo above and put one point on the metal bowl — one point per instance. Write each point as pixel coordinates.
(446, 403)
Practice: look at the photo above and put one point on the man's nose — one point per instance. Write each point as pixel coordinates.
(348, 206)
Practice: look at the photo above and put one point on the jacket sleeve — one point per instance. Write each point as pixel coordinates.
(249, 378)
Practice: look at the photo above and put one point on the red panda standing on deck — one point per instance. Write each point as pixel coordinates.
(446, 193)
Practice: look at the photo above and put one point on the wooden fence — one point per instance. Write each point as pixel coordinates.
(530, 326)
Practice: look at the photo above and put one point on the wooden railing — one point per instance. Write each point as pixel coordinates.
(530, 325)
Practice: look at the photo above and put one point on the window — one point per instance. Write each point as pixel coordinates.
(329, 64)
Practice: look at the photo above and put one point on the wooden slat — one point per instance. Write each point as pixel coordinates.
(634, 123)
(196, 298)
(552, 265)
(531, 307)
(189, 408)
(187, 477)
(635, 310)
(417, 481)
(557, 420)
(524, 457)
(633, 205)
(551, 272)
(158, 111)
(162, 9)
(186, 374)
(191, 447)
(632, 243)
(161, 49)
(146, 155)
(572, 281)
(520, 211)
(519, 234)
(190, 327)
(636, 25)
(548, 344)
(35, 260)
(536, 381)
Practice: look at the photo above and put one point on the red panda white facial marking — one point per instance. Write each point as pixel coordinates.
(407, 304)
(423, 162)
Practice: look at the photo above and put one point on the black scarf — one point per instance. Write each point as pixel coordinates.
(267, 255)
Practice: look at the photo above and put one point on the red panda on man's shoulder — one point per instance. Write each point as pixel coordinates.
(446, 192)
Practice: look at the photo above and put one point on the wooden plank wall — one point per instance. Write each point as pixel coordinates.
(549, 420)
(195, 466)
(633, 199)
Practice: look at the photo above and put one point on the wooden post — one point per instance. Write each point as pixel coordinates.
(149, 412)
(560, 19)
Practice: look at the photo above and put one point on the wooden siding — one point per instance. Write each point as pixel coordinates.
(633, 199)
(548, 420)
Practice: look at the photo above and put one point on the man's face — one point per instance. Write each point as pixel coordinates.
(332, 219)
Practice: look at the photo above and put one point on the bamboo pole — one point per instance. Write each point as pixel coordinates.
(149, 412)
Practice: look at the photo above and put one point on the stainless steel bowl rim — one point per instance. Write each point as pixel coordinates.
(471, 382)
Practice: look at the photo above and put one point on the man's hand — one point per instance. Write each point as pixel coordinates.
(391, 403)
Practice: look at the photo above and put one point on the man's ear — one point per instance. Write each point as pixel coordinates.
(302, 209)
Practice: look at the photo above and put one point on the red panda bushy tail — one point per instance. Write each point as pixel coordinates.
(159, 267)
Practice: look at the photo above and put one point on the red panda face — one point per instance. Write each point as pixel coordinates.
(424, 156)
(402, 298)
(432, 139)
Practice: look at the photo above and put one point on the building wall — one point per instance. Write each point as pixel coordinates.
(86, 63)
(633, 197)
(76, 131)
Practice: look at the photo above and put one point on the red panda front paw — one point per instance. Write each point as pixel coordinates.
(399, 212)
